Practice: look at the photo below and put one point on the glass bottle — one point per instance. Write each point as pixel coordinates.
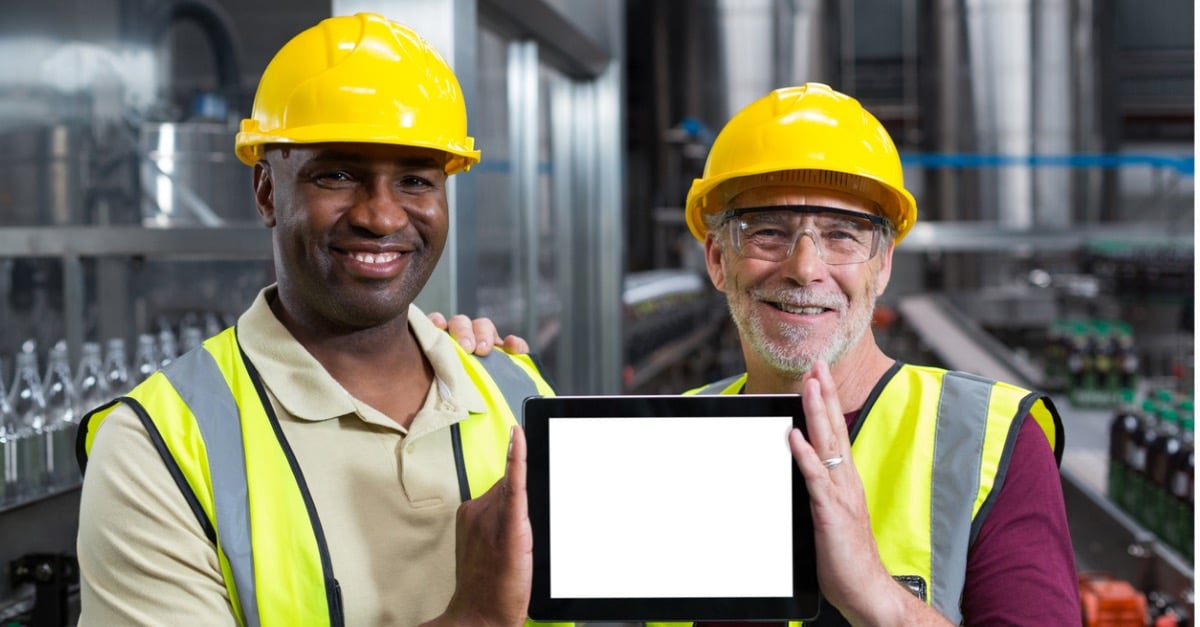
(1127, 358)
(116, 367)
(1078, 362)
(168, 347)
(91, 386)
(1133, 500)
(1124, 425)
(1159, 458)
(145, 360)
(8, 447)
(62, 417)
(29, 407)
(212, 324)
(1181, 525)
(192, 337)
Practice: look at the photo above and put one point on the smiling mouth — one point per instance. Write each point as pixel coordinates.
(800, 310)
(375, 258)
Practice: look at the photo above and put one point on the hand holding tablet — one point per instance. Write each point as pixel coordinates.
(668, 508)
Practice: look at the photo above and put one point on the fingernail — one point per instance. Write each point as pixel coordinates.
(512, 433)
(467, 345)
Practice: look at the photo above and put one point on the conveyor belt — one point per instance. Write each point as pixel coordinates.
(1104, 537)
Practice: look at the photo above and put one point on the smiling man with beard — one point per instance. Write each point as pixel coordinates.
(333, 458)
(935, 495)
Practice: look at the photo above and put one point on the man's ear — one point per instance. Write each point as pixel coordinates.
(264, 192)
(714, 261)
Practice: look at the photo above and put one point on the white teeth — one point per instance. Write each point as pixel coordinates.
(371, 258)
(803, 311)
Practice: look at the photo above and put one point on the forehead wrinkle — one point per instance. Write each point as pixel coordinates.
(355, 158)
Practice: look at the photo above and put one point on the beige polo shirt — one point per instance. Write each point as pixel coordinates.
(386, 498)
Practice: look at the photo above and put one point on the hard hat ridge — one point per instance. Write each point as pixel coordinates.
(804, 135)
(360, 78)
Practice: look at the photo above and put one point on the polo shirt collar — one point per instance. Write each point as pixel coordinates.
(307, 391)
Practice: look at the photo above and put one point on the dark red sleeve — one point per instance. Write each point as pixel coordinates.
(1021, 570)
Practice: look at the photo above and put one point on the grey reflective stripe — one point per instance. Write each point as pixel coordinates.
(717, 387)
(957, 457)
(515, 384)
(200, 383)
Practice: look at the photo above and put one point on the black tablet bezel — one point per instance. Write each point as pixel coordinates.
(805, 600)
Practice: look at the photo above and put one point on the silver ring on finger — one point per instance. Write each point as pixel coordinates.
(833, 462)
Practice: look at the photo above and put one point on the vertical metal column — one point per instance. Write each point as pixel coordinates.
(948, 122)
(999, 34)
(610, 232)
(572, 367)
(587, 197)
(1053, 110)
(523, 109)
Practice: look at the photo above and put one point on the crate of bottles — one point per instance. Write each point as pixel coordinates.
(1094, 361)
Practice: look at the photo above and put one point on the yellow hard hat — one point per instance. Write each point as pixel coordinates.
(810, 135)
(361, 78)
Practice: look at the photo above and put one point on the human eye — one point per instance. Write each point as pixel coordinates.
(421, 180)
(763, 231)
(845, 229)
(414, 183)
(332, 178)
(765, 227)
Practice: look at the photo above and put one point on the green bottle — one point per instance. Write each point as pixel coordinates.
(1133, 500)
(1121, 430)
(1181, 518)
(1159, 460)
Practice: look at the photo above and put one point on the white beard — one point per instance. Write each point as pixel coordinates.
(790, 350)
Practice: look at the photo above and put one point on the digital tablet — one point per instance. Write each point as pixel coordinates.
(668, 508)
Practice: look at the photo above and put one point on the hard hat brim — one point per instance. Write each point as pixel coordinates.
(710, 195)
(249, 144)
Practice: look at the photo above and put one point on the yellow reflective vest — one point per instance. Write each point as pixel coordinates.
(932, 447)
(207, 408)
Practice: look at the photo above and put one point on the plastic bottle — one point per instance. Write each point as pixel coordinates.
(91, 386)
(1159, 458)
(62, 418)
(1125, 423)
(116, 367)
(145, 360)
(29, 407)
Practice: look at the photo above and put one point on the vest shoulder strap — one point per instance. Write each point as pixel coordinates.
(514, 382)
(728, 385)
(481, 441)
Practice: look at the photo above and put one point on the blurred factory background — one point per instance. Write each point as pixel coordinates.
(1049, 144)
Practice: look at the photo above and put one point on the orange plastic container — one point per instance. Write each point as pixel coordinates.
(1109, 602)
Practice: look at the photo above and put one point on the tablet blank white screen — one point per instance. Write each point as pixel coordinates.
(670, 507)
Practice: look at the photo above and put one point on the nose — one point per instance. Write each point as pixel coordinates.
(803, 263)
(379, 209)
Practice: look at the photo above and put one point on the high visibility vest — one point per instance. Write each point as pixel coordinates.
(931, 445)
(206, 408)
